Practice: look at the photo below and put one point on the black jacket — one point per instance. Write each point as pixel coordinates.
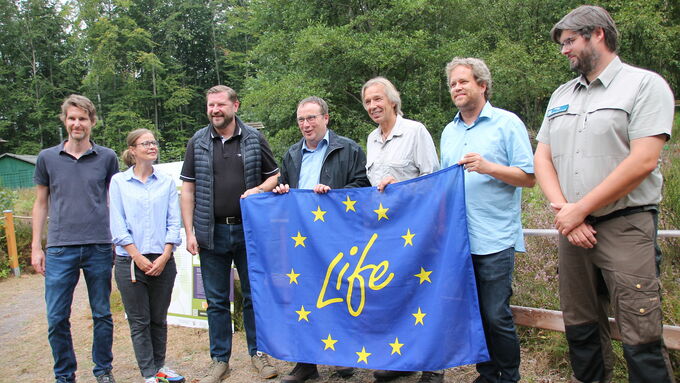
(344, 164)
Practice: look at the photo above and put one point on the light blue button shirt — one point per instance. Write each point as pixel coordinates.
(146, 214)
(312, 161)
(493, 207)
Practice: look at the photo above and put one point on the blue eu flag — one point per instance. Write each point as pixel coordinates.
(366, 279)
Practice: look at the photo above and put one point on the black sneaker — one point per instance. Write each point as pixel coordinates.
(300, 373)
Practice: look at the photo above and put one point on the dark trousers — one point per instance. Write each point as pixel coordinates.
(146, 305)
(215, 270)
(621, 269)
(493, 274)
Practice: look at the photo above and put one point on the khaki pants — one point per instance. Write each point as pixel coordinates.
(621, 270)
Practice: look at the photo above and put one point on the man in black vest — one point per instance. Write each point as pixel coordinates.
(320, 161)
(224, 161)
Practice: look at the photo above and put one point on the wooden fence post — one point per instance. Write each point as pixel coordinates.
(11, 243)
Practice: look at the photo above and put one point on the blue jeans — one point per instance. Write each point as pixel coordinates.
(62, 271)
(215, 269)
(493, 274)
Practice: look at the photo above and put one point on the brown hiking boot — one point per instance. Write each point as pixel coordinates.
(263, 366)
(217, 371)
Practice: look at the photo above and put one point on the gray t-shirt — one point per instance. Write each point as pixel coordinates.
(589, 128)
(78, 190)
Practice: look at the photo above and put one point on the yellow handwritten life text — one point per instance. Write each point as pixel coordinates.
(377, 272)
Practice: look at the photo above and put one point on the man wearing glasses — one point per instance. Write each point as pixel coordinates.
(597, 163)
(321, 161)
(224, 161)
(72, 181)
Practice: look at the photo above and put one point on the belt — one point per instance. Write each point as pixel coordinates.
(228, 220)
(621, 213)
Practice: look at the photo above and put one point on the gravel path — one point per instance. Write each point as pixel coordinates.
(25, 354)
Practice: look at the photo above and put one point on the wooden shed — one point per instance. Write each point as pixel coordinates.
(16, 170)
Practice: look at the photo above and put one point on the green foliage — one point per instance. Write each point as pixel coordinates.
(7, 198)
(671, 201)
(670, 205)
(147, 63)
(23, 205)
(23, 233)
(282, 140)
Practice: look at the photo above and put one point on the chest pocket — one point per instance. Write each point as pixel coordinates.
(563, 127)
(607, 120)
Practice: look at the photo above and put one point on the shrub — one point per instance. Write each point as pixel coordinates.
(23, 234)
(7, 198)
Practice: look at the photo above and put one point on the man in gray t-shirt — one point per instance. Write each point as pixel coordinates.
(72, 181)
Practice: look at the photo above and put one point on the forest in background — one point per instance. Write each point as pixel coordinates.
(148, 63)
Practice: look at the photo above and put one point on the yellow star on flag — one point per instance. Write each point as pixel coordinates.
(302, 314)
(349, 205)
(363, 355)
(396, 346)
(382, 212)
(299, 240)
(329, 343)
(318, 214)
(419, 317)
(408, 238)
(293, 276)
(423, 275)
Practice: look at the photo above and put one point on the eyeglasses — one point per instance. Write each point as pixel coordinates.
(147, 144)
(568, 42)
(309, 118)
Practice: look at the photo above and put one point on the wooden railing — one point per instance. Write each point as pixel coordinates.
(552, 319)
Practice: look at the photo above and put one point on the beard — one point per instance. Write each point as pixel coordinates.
(226, 120)
(586, 62)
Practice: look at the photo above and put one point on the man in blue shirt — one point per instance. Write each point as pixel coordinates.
(493, 146)
(321, 161)
(72, 181)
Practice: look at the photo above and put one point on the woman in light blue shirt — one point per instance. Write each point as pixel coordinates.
(145, 223)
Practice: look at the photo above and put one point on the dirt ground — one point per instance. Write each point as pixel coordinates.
(25, 354)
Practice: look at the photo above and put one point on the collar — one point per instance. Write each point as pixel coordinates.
(397, 130)
(486, 113)
(325, 138)
(607, 75)
(130, 174)
(92, 149)
(214, 134)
